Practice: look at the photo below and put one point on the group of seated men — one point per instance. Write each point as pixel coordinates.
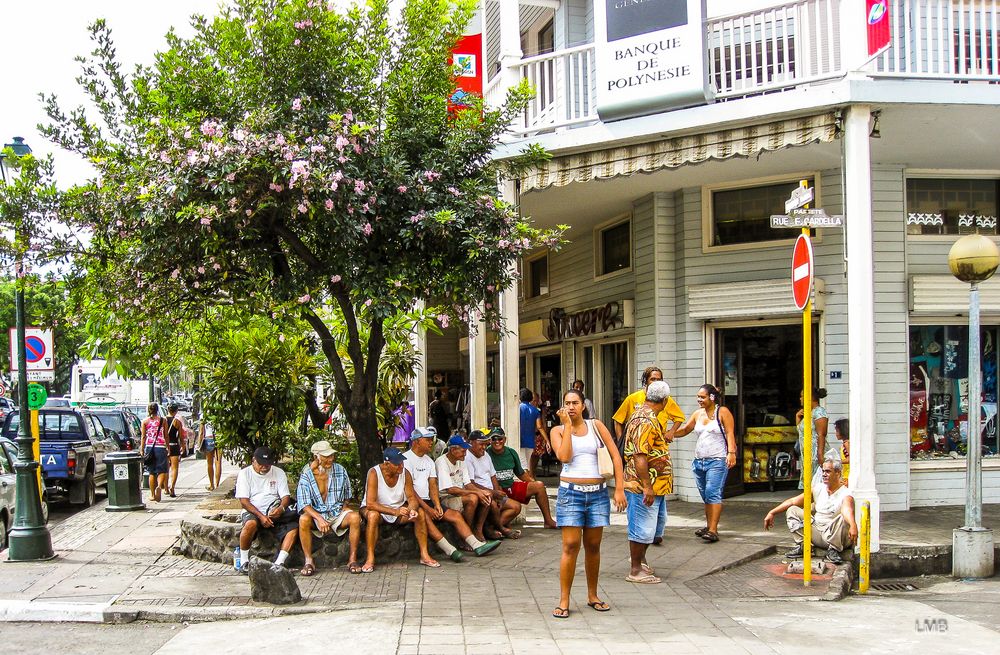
(477, 486)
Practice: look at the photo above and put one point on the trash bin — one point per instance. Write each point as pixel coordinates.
(124, 478)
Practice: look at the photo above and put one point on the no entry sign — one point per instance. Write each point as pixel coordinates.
(802, 271)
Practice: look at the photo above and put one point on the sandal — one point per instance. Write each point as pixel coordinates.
(354, 568)
(561, 612)
(710, 537)
(643, 579)
(647, 569)
(308, 570)
(599, 606)
(700, 532)
(431, 564)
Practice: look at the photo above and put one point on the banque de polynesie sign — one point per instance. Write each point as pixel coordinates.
(650, 56)
(579, 324)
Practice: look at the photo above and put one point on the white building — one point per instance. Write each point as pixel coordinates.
(672, 261)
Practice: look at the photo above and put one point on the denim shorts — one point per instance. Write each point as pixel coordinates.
(161, 465)
(645, 523)
(583, 509)
(710, 476)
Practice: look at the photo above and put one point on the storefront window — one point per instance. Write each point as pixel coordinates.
(614, 368)
(538, 276)
(744, 215)
(951, 206)
(939, 391)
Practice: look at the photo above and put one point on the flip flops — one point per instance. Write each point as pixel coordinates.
(308, 570)
(599, 606)
(643, 579)
(353, 568)
(561, 612)
(431, 564)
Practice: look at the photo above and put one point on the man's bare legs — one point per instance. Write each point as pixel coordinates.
(537, 491)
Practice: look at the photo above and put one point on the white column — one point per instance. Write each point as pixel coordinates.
(861, 312)
(420, 401)
(510, 42)
(477, 376)
(510, 351)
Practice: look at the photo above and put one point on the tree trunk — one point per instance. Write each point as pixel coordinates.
(316, 415)
(362, 420)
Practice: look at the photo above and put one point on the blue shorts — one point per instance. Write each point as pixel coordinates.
(208, 445)
(710, 476)
(161, 465)
(583, 509)
(645, 523)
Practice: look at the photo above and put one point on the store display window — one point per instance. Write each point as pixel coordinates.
(939, 391)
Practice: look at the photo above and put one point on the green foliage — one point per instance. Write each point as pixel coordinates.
(252, 385)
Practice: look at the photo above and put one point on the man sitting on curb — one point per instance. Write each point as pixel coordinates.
(483, 476)
(323, 488)
(833, 524)
(458, 492)
(262, 489)
(389, 498)
(425, 485)
(517, 483)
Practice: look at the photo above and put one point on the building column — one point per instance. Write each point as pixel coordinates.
(510, 43)
(510, 349)
(861, 312)
(477, 375)
(419, 339)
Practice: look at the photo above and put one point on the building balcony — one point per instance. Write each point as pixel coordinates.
(776, 49)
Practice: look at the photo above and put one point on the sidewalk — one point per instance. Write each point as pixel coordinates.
(120, 567)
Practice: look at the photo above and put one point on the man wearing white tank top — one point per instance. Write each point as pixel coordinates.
(389, 498)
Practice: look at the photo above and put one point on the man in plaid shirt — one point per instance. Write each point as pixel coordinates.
(323, 489)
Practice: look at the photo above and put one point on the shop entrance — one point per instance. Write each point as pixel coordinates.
(548, 376)
(760, 370)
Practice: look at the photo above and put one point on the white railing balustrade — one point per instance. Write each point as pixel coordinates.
(565, 86)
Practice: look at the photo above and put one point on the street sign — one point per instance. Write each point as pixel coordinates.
(800, 197)
(41, 376)
(800, 218)
(802, 271)
(37, 349)
(36, 396)
(3, 389)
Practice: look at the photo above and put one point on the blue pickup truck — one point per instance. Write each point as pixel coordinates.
(72, 446)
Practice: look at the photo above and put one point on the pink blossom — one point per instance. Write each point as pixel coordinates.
(297, 104)
(328, 204)
(337, 176)
(279, 140)
(503, 243)
(368, 303)
(197, 285)
(296, 42)
(367, 229)
(201, 270)
(335, 279)
(359, 187)
(341, 143)
(231, 177)
(453, 191)
(216, 266)
(303, 208)
(397, 284)
(444, 320)
(164, 157)
(401, 188)
(304, 299)
(349, 115)
(430, 176)
(276, 187)
(300, 169)
(365, 207)
(175, 273)
(156, 356)
(206, 220)
(281, 337)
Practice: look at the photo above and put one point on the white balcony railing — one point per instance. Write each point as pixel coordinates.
(782, 47)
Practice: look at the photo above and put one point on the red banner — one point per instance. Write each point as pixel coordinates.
(467, 55)
(877, 17)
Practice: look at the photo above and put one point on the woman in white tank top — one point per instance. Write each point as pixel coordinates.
(389, 498)
(582, 506)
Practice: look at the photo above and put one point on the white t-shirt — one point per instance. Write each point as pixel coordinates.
(827, 504)
(421, 469)
(451, 475)
(480, 469)
(262, 490)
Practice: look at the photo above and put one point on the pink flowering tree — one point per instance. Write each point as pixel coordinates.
(287, 159)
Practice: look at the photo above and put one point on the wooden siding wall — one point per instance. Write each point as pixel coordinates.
(442, 351)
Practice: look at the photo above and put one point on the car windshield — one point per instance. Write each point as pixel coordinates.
(112, 422)
(50, 426)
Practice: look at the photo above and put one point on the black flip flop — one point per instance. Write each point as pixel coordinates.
(561, 613)
(599, 606)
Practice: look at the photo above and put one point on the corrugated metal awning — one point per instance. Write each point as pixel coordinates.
(944, 294)
(748, 299)
(671, 153)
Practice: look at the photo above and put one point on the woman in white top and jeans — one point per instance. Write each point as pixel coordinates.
(582, 508)
(714, 455)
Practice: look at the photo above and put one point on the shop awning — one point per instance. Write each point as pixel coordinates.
(756, 299)
(672, 153)
(945, 295)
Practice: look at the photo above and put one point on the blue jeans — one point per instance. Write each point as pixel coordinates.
(583, 509)
(645, 523)
(710, 476)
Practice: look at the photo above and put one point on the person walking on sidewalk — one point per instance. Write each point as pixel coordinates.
(583, 509)
(714, 455)
(262, 490)
(324, 487)
(833, 524)
(176, 445)
(213, 458)
(532, 429)
(648, 479)
(153, 447)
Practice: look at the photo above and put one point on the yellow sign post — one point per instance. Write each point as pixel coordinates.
(36, 453)
(807, 436)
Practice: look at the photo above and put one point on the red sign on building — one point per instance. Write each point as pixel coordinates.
(802, 271)
(877, 17)
(467, 55)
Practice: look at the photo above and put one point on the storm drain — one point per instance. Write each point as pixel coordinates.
(893, 586)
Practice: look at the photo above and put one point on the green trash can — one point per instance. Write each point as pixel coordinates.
(124, 478)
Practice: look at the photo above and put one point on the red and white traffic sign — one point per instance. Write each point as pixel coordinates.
(802, 271)
(37, 349)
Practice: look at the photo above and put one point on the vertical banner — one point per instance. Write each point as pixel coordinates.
(650, 56)
(467, 55)
(877, 17)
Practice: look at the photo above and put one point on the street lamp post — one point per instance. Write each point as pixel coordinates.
(29, 538)
(974, 258)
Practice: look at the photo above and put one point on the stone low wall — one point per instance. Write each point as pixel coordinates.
(211, 536)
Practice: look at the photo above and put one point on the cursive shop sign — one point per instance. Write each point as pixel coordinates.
(580, 324)
(650, 56)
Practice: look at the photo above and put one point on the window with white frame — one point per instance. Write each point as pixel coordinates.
(614, 247)
(741, 215)
(951, 205)
(536, 274)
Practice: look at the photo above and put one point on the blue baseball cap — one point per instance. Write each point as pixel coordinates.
(393, 456)
(457, 440)
(421, 433)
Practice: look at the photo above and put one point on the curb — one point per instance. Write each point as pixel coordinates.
(765, 551)
(841, 582)
(37, 611)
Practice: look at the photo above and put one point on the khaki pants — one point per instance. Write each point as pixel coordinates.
(836, 535)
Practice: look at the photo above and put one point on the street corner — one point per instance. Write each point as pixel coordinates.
(775, 578)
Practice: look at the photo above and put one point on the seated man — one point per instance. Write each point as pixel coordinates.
(262, 489)
(457, 492)
(323, 488)
(423, 472)
(517, 483)
(389, 498)
(483, 476)
(834, 527)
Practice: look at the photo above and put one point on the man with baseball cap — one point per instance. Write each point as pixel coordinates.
(389, 498)
(323, 488)
(425, 484)
(517, 483)
(457, 491)
(262, 489)
(483, 475)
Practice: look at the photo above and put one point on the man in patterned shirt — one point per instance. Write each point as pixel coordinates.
(323, 488)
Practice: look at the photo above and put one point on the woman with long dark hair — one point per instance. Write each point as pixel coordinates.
(820, 423)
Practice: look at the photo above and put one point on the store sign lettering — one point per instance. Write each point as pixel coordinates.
(579, 324)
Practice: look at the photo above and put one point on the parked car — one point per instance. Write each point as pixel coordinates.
(8, 454)
(73, 443)
(124, 424)
(6, 407)
(57, 402)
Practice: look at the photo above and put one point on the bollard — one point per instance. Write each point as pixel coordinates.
(864, 569)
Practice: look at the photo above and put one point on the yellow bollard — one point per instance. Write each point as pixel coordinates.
(864, 572)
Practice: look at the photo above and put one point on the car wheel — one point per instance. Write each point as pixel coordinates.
(3, 535)
(45, 510)
(89, 490)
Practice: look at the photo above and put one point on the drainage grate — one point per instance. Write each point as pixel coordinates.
(893, 586)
